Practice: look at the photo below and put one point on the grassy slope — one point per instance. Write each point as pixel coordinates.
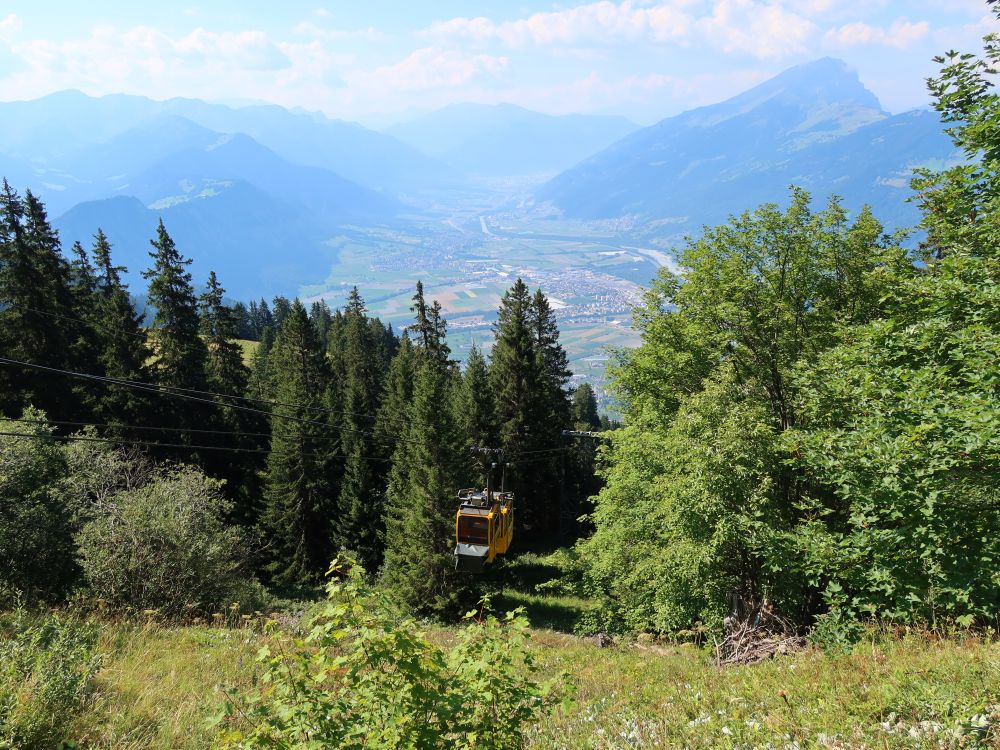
(160, 686)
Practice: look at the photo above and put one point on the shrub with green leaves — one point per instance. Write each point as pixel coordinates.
(47, 669)
(359, 679)
(900, 443)
(165, 546)
(36, 535)
(699, 495)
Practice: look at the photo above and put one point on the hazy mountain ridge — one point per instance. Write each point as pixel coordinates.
(123, 162)
(259, 245)
(505, 139)
(281, 182)
(814, 125)
(49, 129)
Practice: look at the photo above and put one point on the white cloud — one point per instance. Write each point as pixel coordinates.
(247, 50)
(596, 93)
(764, 30)
(596, 23)
(309, 29)
(145, 60)
(901, 34)
(430, 68)
(9, 26)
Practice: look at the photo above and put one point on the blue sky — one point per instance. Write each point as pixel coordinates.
(382, 60)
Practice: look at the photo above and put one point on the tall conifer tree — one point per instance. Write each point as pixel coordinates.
(180, 352)
(300, 489)
(226, 374)
(360, 509)
(429, 466)
(478, 408)
(124, 352)
(528, 373)
(397, 392)
(39, 322)
(225, 369)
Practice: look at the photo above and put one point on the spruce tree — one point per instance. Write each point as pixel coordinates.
(430, 326)
(180, 353)
(226, 372)
(478, 409)
(82, 278)
(259, 384)
(244, 326)
(122, 341)
(82, 329)
(429, 467)
(282, 307)
(300, 486)
(550, 416)
(584, 410)
(359, 526)
(397, 392)
(38, 320)
(321, 317)
(553, 365)
(528, 373)
(513, 369)
(261, 319)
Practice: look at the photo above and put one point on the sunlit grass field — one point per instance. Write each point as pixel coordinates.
(160, 687)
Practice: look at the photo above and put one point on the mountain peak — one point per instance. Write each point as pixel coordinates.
(828, 80)
(824, 94)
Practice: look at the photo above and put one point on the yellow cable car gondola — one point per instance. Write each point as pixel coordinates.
(484, 527)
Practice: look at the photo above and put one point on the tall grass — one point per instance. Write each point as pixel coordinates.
(47, 670)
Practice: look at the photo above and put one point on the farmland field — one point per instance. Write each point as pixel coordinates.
(467, 262)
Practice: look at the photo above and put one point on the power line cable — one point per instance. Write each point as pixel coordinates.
(324, 409)
(144, 332)
(114, 425)
(151, 388)
(164, 390)
(116, 441)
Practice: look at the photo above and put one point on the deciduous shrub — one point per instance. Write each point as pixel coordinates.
(165, 546)
(36, 536)
(361, 680)
(47, 668)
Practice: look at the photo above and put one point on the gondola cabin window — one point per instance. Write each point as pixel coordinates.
(473, 530)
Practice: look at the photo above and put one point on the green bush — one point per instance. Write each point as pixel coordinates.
(36, 536)
(47, 670)
(165, 546)
(361, 680)
(689, 518)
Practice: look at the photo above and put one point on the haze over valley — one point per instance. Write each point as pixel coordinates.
(466, 198)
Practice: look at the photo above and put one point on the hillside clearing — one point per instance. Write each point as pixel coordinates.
(160, 687)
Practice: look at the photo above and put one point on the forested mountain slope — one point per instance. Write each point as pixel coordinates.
(814, 125)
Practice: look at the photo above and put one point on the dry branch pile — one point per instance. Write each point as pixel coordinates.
(753, 634)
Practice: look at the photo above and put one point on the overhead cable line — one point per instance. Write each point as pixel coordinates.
(144, 332)
(272, 402)
(151, 388)
(167, 390)
(115, 441)
(115, 425)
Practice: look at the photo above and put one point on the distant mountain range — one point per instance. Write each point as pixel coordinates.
(503, 140)
(814, 125)
(248, 192)
(257, 193)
